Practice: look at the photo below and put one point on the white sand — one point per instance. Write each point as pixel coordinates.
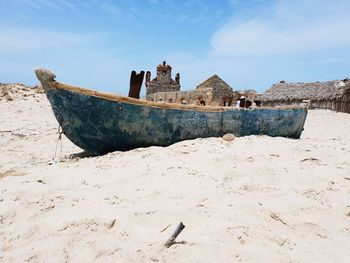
(255, 199)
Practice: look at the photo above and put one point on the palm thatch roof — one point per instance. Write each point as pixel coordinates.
(327, 90)
(214, 82)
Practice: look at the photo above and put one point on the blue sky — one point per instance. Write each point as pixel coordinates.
(249, 43)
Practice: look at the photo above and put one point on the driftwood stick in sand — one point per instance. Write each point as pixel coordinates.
(177, 232)
(135, 84)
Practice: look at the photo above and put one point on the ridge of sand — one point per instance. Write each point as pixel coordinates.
(18, 91)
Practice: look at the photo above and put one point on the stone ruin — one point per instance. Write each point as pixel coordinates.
(212, 92)
(163, 81)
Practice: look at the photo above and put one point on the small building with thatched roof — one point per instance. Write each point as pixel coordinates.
(334, 95)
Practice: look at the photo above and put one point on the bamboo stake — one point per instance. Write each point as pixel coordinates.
(177, 232)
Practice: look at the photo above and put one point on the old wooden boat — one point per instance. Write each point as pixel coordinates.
(101, 122)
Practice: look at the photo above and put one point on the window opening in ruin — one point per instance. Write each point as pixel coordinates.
(248, 103)
(202, 102)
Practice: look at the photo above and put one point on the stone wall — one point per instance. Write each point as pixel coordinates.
(156, 87)
(196, 97)
(204, 97)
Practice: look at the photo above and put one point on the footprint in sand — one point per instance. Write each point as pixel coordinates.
(114, 200)
(10, 172)
(308, 228)
(318, 195)
(256, 188)
(42, 205)
(241, 233)
(7, 218)
(92, 225)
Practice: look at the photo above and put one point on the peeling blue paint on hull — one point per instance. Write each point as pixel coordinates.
(100, 122)
(99, 125)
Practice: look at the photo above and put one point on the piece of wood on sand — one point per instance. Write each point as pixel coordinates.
(177, 232)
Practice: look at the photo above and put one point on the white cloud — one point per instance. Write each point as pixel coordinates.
(285, 28)
(109, 7)
(49, 4)
(17, 40)
(67, 3)
(104, 5)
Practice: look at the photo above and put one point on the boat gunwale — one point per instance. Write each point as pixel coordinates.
(53, 84)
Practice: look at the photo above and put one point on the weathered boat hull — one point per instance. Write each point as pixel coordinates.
(101, 123)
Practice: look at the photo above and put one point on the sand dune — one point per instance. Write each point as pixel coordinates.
(253, 199)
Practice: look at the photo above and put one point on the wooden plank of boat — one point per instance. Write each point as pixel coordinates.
(100, 122)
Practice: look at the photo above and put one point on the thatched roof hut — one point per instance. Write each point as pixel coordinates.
(330, 94)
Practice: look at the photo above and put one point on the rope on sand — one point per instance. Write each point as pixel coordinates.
(59, 141)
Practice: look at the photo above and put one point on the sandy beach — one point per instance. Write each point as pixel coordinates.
(253, 199)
